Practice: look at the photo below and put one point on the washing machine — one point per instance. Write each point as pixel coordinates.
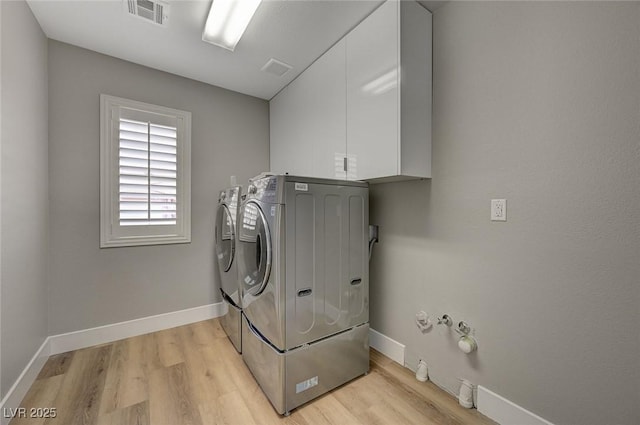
(304, 275)
(226, 256)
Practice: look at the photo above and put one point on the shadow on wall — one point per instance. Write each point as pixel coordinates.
(402, 212)
(401, 208)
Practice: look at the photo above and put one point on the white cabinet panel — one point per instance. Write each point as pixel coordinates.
(415, 90)
(308, 120)
(290, 148)
(389, 93)
(367, 100)
(373, 94)
(328, 105)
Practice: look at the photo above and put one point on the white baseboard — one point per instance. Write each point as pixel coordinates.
(387, 346)
(103, 334)
(504, 411)
(19, 389)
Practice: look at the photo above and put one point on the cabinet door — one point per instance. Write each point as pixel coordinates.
(308, 120)
(373, 95)
(289, 150)
(327, 105)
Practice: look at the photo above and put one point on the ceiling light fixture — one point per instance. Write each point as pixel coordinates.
(227, 21)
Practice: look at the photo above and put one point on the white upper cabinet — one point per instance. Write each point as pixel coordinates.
(372, 95)
(363, 110)
(389, 93)
(289, 146)
(308, 120)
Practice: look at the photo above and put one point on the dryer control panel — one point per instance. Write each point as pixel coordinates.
(265, 189)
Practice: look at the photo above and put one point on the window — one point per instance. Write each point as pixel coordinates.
(145, 170)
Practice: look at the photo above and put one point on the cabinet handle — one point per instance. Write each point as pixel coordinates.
(345, 163)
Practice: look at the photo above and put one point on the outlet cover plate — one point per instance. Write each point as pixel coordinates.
(498, 210)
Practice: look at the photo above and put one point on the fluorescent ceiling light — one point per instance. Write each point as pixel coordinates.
(227, 21)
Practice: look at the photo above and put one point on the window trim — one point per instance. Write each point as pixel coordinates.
(110, 236)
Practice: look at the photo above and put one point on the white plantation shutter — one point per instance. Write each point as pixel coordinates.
(147, 174)
(145, 171)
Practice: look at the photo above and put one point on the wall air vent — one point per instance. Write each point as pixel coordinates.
(153, 11)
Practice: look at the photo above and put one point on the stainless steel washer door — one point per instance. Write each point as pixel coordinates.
(225, 238)
(254, 249)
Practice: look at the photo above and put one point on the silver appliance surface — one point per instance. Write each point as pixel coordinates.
(226, 257)
(327, 270)
(292, 378)
(231, 323)
(303, 270)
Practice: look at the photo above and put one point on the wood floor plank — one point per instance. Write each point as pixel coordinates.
(261, 409)
(169, 348)
(216, 371)
(56, 365)
(357, 395)
(171, 400)
(377, 358)
(126, 382)
(388, 413)
(408, 403)
(371, 395)
(203, 333)
(192, 375)
(42, 394)
(326, 410)
(78, 400)
(150, 353)
(137, 414)
(216, 328)
(234, 411)
(238, 372)
(427, 393)
(206, 388)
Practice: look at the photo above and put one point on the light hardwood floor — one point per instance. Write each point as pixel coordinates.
(191, 375)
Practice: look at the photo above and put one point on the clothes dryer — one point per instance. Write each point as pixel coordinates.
(226, 254)
(304, 275)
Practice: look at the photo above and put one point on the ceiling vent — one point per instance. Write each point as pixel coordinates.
(153, 11)
(275, 67)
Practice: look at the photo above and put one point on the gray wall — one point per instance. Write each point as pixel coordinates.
(24, 198)
(90, 286)
(539, 104)
(1, 391)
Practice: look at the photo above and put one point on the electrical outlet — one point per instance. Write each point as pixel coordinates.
(498, 210)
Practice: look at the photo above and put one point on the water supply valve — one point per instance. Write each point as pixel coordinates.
(463, 328)
(422, 321)
(445, 319)
(467, 343)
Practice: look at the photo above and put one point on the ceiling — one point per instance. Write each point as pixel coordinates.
(292, 31)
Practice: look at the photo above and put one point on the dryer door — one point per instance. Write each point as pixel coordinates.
(225, 238)
(254, 249)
